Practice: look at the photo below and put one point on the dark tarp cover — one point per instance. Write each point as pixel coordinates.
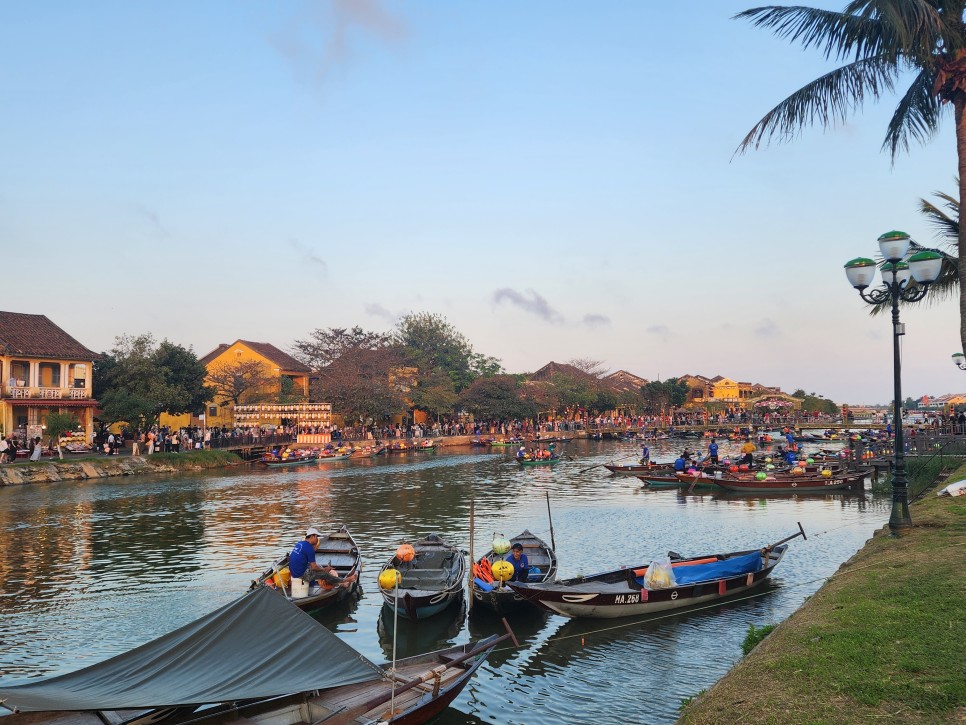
(261, 645)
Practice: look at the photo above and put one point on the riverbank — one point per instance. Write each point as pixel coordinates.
(75, 469)
(882, 639)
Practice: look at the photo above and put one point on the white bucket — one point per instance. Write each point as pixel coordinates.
(300, 588)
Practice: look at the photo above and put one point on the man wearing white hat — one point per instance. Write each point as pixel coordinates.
(302, 564)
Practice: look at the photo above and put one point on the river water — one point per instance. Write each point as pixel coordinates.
(92, 569)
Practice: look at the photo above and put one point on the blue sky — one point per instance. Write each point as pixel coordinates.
(557, 178)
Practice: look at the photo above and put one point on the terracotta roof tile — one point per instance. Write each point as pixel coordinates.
(265, 349)
(37, 336)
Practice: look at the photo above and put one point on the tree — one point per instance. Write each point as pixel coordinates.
(435, 394)
(358, 384)
(496, 397)
(57, 424)
(799, 393)
(878, 40)
(138, 380)
(591, 367)
(667, 395)
(244, 380)
(326, 346)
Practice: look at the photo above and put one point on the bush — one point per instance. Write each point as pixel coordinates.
(754, 636)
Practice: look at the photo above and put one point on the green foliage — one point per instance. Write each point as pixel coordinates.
(497, 397)
(60, 423)
(138, 380)
(669, 394)
(431, 343)
(435, 394)
(812, 403)
(195, 459)
(754, 636)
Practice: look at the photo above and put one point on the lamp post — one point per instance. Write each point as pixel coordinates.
(959, 360)
(896, 271)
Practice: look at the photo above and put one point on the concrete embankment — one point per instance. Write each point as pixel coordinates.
(14, 474)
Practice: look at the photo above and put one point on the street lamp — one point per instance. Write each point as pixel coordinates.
(896, 271)
(959, 360)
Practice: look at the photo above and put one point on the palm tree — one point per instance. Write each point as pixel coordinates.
(878, 41)
(946, 225)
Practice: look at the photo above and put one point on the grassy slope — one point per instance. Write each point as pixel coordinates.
(884, 638)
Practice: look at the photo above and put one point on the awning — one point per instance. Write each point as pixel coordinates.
(52, 402)
(261, 645)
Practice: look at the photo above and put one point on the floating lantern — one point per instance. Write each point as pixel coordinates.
(733, 469)
(502, 570)
(798, 471)
(810, 461)
(826, 473)
(770, 467)
(405, 552)
(389, 578)
(760, 476)
(768, 459)
(501, 544)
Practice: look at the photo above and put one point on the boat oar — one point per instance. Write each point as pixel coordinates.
(801, 532)
(385, 697)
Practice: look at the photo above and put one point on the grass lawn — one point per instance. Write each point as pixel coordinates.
(883, 640)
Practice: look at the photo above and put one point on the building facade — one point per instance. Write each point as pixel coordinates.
(43, 370)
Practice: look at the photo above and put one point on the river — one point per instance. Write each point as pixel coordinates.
(91, 569)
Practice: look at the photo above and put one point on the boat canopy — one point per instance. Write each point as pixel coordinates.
(258, 646)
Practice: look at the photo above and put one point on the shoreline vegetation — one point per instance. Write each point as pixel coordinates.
(882, 639)
(87, 467)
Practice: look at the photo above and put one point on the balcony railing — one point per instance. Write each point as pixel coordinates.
(18, 392)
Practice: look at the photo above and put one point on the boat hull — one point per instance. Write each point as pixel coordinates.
(617, 594)
(337, 549)
(430, 583)
(502, 599)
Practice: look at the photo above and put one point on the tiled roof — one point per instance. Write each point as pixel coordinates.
(265, 349)
(37, 336)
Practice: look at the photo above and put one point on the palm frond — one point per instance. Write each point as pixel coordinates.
(916, 116)
(945, 225)
(826, 100)
(910, 28)
(866, 28)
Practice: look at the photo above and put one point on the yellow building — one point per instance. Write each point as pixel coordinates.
(246, 373)
(43, 370)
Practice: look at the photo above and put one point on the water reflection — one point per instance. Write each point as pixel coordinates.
(90, 569)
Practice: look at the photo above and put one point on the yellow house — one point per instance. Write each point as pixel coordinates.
(43, 370)
(246, 372)
(725, 390)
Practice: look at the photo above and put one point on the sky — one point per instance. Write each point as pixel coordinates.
(558, 179)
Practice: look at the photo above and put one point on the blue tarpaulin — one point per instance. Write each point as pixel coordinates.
(736, 566)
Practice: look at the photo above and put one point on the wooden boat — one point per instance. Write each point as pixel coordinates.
(333, 457)
(635, 469)
(672, 479)
(431, 580)
(624, 592)
(506, 443)
(500, 598)
(338, 550)
(293, 460)
(426, 445)
(789, 483)
(244, 677)
(528, 462)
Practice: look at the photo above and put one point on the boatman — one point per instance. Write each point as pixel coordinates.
(521, 566)
(521, 452)
(748, 452)
(645, 455)
(302, 564)
(713, 451)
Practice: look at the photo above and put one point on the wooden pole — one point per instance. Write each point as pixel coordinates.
(553, 544)
(469, 575)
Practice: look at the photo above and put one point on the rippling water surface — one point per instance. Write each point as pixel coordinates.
(92, 569)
